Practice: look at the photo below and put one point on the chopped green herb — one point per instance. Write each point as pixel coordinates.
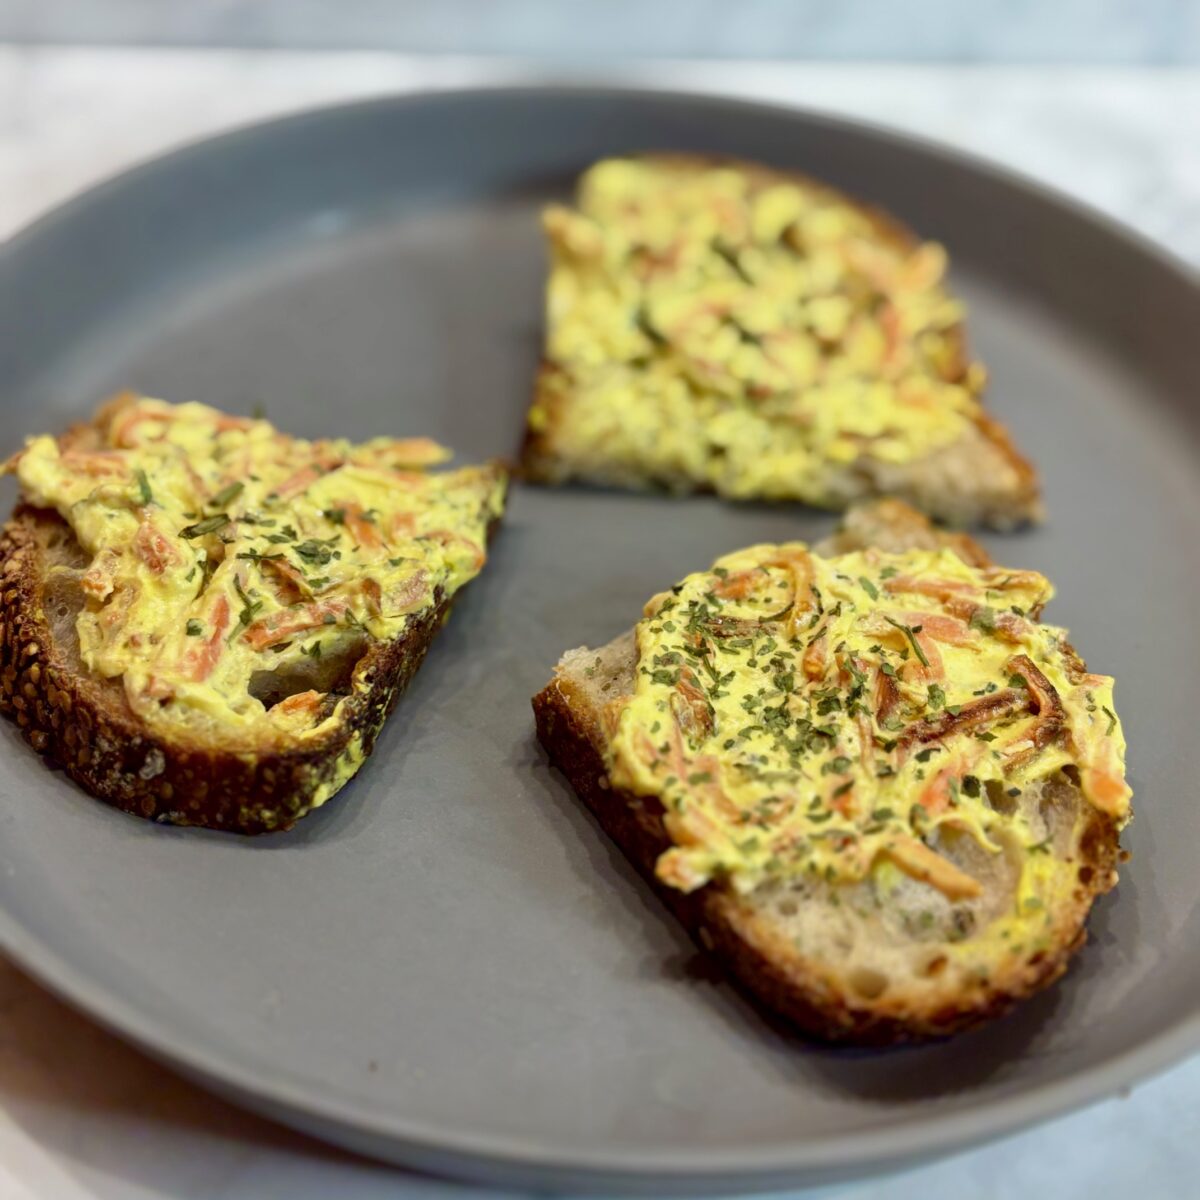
(645, 326)
(910, 632)
(145, 495)
(727, 253)
(194, 628)
(869, 587)
(984, 618)
(250, 609)
(314, 552)
(208, 525)
(226, 494)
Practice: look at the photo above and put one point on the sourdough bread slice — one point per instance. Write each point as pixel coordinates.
(249, 779)
(685, 397)
(865, 962)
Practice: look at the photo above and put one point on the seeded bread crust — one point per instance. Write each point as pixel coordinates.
(783, 944)
(980, 479)
(84, 723)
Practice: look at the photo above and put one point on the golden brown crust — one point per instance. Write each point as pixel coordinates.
(85, 725)
(752, 951)
(990, 448)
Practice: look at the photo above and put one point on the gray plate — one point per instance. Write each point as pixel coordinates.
(449, 966)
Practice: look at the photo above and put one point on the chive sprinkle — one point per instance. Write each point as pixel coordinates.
(208, 525)
(145, 495)
(226, 494)
(912, 638)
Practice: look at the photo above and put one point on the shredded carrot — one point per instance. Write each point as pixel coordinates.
(292, 586)
(401, 524)
(154, 548)
(301, 702)
(814, 661)
(280, 626)
(737, 585)
(919, 862)
(120, 432)
(407, 594)
(362, 530)
(203, 657)
(297, 483)
(935, 796)
(93, 463)
(226, 424)
(448, 537)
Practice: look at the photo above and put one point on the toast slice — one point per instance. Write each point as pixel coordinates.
(206, 622)
(724, 327)
(945, 913)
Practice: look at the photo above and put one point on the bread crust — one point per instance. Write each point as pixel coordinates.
(949, 484)
(808, 992)
(88, 728)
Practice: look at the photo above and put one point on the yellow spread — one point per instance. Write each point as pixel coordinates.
(802, 715)
(227, 558)
(743, 333)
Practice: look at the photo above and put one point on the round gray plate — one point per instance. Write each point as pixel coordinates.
(450, 966)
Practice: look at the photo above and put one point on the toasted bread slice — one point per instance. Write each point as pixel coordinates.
(722, 326)
(887, 957)
(128, 662)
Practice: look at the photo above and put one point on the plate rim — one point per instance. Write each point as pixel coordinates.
(340, 1118)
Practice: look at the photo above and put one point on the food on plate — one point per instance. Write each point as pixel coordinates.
(865, 776)
(207, 621)
(726, 327)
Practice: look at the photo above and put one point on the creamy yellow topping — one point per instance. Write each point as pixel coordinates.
(802, 715)
(227, 559)
(754, 337)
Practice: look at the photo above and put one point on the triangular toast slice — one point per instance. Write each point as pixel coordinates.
(724, 327)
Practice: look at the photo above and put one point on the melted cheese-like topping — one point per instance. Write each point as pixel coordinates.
(753, 337)
(797, 714)
(223, 551)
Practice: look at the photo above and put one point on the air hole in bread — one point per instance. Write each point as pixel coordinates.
(1085, 875)
(331, 672)
(934, 965)
(868, 983)
(1071, 771)
(787, 907)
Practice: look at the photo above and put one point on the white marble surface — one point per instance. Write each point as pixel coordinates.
(1066, 31)
(82, 1116)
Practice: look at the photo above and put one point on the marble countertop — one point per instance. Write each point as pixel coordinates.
(84, 1117)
